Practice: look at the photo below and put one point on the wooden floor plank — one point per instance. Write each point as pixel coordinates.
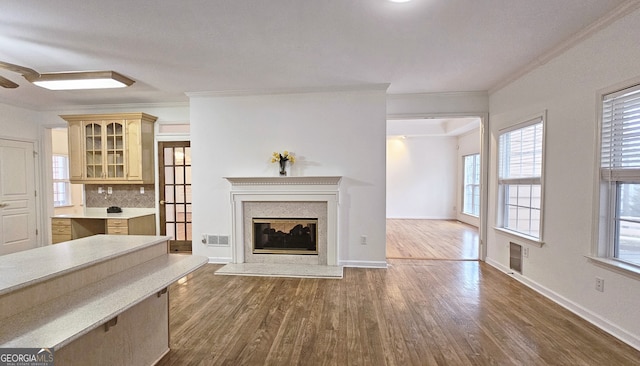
(431, 239)
(413, 313)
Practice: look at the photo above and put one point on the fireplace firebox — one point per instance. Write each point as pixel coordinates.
(285, 236)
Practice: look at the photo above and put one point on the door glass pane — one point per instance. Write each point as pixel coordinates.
(168, 194)
(187, 156)
(170, 230)
(180, 194)
(187, 177)
(168, 156)
(179, 156)
(169, 212)
(179, 177)
(168, 175)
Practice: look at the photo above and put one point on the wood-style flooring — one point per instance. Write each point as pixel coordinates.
(413, 313)
(431, 239)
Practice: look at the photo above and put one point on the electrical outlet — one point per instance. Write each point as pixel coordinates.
(100, 190)
(600, 284)
(109, 190)
(525, 252)
(204, 238)
(141, 190)
(363, 240)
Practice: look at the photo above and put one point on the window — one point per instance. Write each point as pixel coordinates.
(471, 196)
(620, 175)
(520, 158)
(61, 184)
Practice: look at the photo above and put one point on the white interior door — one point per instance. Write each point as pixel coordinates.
(17, 196)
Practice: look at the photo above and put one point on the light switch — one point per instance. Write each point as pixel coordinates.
(141, 190)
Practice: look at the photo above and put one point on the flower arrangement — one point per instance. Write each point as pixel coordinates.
(282, 160)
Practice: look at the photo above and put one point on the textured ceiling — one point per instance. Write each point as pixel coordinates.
(173, 47)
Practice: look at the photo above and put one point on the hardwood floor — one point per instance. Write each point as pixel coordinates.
(413, 313)
(431, 239)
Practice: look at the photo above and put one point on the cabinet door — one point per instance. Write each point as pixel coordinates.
(114, 150)
(76, 151)
(134, 148)
(93, 137)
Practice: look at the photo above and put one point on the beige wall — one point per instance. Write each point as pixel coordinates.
(59, 146)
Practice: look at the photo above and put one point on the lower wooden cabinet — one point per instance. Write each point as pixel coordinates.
(65, 229)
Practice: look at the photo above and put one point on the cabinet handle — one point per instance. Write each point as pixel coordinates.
(2, 205)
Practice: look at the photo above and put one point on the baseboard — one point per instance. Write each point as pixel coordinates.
(586, 314)
(364, 264)
(220, 260)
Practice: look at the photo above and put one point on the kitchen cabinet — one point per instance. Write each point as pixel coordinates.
(70, 227)
(111, 148)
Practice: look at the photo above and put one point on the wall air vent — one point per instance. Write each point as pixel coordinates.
(515, 257)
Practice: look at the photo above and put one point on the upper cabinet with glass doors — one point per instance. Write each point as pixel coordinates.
(111, 148)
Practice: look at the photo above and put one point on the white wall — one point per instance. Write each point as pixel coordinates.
(566, 88)
(421, 177)
(19, 123)
(331, 133)
(468, 144)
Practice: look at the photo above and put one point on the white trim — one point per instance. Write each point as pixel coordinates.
(628, 270)
(276, 91)
(537, 118)
(363, 264)
(521, 237)
(284, 189)
(584, 313)
(220, 260)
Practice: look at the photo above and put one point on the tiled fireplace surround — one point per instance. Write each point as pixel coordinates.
(285, 197)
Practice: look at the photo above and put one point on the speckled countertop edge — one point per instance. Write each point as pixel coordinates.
(65, 319)
(29, 267)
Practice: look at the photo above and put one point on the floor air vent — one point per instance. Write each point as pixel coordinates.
(515, 257)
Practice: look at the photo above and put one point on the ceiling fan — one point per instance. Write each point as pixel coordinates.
(73, 80)
(25, 71)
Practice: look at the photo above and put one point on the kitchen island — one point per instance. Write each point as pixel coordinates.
(100, 300)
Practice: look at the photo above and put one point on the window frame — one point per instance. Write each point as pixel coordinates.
(66, 181)
(607, 192)
(502, 182)
(476, 163)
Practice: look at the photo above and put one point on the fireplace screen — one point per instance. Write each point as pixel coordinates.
(285, 236)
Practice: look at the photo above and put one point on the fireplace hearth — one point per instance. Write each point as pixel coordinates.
(285, 236)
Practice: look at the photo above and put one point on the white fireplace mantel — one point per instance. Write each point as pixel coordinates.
(285, 189)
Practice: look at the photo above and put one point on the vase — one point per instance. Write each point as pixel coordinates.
(283, 168)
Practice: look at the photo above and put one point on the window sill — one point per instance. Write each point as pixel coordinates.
(626, 269)
(526, 239)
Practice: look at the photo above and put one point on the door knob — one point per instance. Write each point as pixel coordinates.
(162, 202)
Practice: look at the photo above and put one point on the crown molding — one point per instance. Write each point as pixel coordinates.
(280, 91)
(479, 93)
(619, 12)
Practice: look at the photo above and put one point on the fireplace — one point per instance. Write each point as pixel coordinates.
(284, 198)
(285, 236)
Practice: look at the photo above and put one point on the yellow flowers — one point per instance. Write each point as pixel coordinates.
(285, 156)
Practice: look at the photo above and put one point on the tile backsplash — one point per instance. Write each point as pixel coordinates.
(124, 195)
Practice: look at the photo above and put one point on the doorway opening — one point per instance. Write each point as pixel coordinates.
(434, 188)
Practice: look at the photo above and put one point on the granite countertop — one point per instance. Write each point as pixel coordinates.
(101, 213)
(22, 269)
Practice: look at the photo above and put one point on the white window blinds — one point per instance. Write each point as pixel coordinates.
(521, 152)
(620, 135)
